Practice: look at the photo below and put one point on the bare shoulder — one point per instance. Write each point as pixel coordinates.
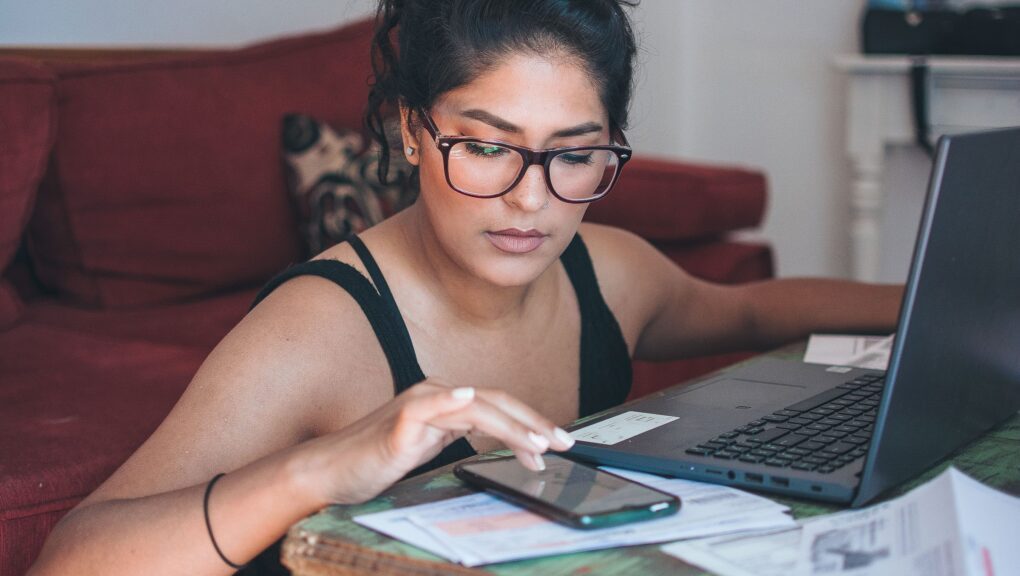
(622, 258)
(614, 248)
(303, 362)
(315, 336)
(310, 345)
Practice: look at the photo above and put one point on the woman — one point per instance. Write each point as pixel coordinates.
(521, 317)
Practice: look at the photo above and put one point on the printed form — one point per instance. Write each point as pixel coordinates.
(482, 529)
(950, 526)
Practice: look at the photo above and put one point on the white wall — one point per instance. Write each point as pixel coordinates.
(728, 81)
(168, 22)
(752, 83)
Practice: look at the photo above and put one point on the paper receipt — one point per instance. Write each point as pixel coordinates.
(620, 427)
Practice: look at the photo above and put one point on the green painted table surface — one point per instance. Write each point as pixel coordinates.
(330, 542)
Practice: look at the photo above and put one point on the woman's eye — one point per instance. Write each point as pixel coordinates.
(485, 150)
(575, 158)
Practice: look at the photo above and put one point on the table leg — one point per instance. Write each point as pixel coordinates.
(866, 205)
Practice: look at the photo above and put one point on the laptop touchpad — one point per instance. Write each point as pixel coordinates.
(741, 394)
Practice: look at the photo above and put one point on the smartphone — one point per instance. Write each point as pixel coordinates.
(570, 493)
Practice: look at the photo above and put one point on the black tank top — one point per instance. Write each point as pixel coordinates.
(605, 374)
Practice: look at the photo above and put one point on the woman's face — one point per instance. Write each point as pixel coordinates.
(532, 101)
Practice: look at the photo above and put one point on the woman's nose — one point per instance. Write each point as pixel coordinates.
(532, 192)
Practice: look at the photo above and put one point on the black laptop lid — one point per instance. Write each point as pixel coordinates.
(956, 364)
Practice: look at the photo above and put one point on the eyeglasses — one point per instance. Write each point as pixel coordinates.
(490, 168)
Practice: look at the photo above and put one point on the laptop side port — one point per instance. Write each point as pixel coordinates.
(756, 478)
(816, 488)
(713, 471)
(780, 481)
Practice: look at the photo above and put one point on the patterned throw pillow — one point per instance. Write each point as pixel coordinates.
(332, 179)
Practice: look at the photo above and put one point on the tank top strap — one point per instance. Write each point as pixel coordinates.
(373, 270)
(385, 320)
(606, 371)
(386, 295)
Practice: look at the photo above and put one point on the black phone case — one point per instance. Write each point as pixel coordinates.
(565, 516)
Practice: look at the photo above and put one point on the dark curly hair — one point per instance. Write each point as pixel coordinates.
(444, 44)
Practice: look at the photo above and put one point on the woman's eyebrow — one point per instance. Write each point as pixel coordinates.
(506, 126)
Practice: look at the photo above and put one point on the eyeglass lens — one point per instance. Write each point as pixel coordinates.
(487, 169)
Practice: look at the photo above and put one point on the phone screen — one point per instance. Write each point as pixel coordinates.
(566, 485)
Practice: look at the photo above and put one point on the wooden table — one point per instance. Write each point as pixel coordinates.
(331, 543)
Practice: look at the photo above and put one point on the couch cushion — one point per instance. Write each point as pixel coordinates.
(73, 407)
(723, 262)
(200, 324)
(11, 305)
(167, 181)
(27, 127)
(668, 200)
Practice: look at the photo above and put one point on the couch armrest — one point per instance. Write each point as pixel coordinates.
(666, 200)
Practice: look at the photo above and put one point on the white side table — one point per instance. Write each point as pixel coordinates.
(964, 94)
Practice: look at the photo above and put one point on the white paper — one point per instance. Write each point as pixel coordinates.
(989, 527)
(481, 529)
(769, 553)
(396, 524)
(620, 427)
(846, 350)
(875, 355)
(950, 526)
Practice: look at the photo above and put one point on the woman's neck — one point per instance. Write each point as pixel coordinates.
(463, 296)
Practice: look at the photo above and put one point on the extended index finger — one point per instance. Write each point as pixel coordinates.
(557, 437)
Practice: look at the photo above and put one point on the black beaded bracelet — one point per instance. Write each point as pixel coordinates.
(208, 524)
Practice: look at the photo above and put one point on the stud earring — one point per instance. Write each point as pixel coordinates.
(409, 150)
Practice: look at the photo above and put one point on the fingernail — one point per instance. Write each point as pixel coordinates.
(539, 462)
(538, 440)
(563, 436)
(464, 393)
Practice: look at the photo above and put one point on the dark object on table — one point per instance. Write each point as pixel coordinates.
(570, 493)
(977, 31)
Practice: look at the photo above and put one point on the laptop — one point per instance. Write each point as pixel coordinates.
(847, 435)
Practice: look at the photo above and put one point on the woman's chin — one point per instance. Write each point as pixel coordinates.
(512, 272)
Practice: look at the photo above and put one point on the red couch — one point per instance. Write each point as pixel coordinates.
(142, 203)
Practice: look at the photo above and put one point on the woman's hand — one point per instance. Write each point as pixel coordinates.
(360, 461)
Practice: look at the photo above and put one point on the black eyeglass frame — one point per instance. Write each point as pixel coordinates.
(530, 156)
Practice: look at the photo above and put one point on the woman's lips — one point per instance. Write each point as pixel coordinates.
(516, 241)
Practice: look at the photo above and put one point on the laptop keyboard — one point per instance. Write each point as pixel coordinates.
(820, 434)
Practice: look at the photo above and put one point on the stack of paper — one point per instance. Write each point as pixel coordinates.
(951, 526)
(480, 529)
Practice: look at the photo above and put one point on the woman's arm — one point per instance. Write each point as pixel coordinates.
(250, 411)
(165, 533)
(674, 315)
(699, 317)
